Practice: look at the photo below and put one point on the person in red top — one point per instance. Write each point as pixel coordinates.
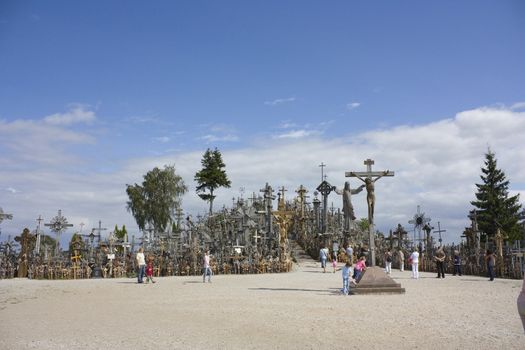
(149, 270)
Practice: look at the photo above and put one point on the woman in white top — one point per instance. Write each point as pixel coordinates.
(415, 262)
(141, 263)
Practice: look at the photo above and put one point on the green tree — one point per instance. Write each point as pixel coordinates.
(154, 202)
(211, 176)
(363, 224)
(494, 206)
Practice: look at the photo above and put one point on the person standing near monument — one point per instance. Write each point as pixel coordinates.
(141, 263)
(348, 208)
(440, 262)
(457, 263)
(414, 258)
(323, 256)
(360, 266)
(388, 261)
(401, 257)
(490, 258)
(206, 267)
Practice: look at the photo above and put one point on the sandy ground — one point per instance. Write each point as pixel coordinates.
(298, 310)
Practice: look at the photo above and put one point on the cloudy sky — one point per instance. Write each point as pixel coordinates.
(93, 95)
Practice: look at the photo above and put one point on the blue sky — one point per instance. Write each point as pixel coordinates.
(92, 92)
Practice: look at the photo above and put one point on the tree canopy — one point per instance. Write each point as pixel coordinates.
(495, 208)
(211, 176)
(154, 202)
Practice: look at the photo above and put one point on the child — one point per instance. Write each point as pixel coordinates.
(334, 263)
(149, 270)
(360, 266)
(346, 277)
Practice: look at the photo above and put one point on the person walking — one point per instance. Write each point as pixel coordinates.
(401, 256)
(149, 270)
(347, 278)
(457, 263)
(141, 263)
(414, 257)
(323, 256)
(440, 262)
(490, 258)
(206, 267)
(388, 261)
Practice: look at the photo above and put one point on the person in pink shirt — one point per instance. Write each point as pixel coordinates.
(360, 266)
(206, 267)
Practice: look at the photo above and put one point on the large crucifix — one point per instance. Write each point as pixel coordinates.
(369, 177)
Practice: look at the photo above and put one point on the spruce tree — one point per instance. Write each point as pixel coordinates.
(494, 206)
(211, 176)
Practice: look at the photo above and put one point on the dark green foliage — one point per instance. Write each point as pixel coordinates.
(120, 234)
(211, 176)
(154, 202)
(494, 206)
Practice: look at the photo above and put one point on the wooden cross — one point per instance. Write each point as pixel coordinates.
(38, 232)
(368, 178)
(368, 173)
(439, 230)
(99, 229)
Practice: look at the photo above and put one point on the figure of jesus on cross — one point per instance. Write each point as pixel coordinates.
(369, 177)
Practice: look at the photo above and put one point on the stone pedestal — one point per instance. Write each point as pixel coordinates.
(375, 281)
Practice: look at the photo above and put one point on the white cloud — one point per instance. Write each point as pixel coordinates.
(352, 105)
(217, 138)
(76, 114)
(12, 190)
(295, 134)
(436, 166)
(518, 105)
(279, 101)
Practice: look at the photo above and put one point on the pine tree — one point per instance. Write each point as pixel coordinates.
(494, 206)
(211, 176)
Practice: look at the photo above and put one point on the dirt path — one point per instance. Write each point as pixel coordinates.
(298, 310)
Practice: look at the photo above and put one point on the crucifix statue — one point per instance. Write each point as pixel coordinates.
(369, 177)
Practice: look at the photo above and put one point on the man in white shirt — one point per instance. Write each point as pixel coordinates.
(141, 263)
(206, 267)
(414, 257)
(323, 256)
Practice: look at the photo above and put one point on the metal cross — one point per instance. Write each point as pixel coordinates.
(322, 165)
(58, 225)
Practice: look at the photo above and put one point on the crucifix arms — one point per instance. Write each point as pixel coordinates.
(363, 175)
(342, 191)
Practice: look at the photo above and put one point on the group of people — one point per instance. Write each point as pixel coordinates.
(143, 268)
(439, 258)
(351, 272)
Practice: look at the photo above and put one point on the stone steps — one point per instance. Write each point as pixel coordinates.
(375, 281)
